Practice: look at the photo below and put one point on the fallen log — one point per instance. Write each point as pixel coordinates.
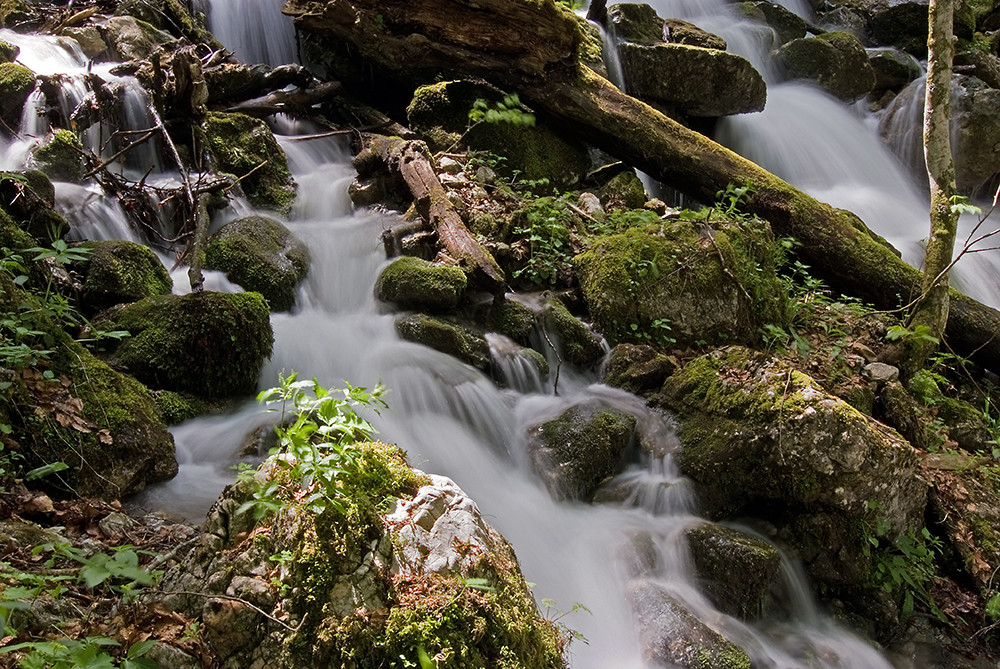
(543, 65)
(410, 159)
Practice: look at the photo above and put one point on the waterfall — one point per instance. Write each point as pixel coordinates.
(255, 30)
(453, 420)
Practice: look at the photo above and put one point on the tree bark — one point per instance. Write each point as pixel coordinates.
(410, 160)
(836, 243)
(931, 311)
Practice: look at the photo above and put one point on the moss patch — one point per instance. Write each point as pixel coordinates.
(122, 271)
(414, 283)
(455, 340)
(61, 157)
(210, 344)
(240, 144)
(16, 84)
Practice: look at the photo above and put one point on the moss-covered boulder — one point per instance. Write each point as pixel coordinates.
(8, 52)
(574, 341)
(683, 284)
(262, 255)
(639, 23)
(692, 80)
(787, 25)
(209, 344)
(757, 432)
(171, 16)
(836, 61)
(580, 448)
(414, 283)
(893, 68)
(117, 272)
(28, 199)
(73, 408)
(736, 569)
(672, 636)
(16, 84)
(132, 39)
(456, 340)
(13, 12)
(440, 112)
(637, 368)
(623, 191)
(365, 587)
(61, 157)
(240, 144)
(512, 319)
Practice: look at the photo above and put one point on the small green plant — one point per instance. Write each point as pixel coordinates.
(508, 110)
(544, 226)
(919, 333)
(317, 445)
(87, 653)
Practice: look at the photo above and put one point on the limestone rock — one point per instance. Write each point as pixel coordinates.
(692, 80)
(756, 431)
(132, 39)
(584, 445)
(836, 61)
(639, 23)
(210, 344)
(413, 283)
(262, 255)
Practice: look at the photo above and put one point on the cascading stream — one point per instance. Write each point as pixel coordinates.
(453, 420)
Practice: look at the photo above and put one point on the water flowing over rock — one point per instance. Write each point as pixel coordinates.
(460, 341)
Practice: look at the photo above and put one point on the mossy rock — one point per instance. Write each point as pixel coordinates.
(893, 68)
(119, 272)
(736, 569)
(178, 407)
(103, 424)
(575, 342)
(836, 61)
(637, 368)
(61, 157)
(623, 191)
(585, 445)
(13, 12)
(8, 52)
(28, 199)
(171, 16)
(262, 255)
(512, 319)
(440, 112)
(209, 344)
(786, 24)
(640, 23)
(414, 283)
(368, 585)
(90, 40)
(755, 431)
(240, 144)
(16, 84)
(691, 80)
(671, 636)
(461, 342)
(132, 39)
(680, 284)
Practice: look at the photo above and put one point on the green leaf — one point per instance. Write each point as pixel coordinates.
(45, 470)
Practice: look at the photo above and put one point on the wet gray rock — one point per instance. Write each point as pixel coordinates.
(736, 569)
(836, 61)
(672, 637)
(583, 446)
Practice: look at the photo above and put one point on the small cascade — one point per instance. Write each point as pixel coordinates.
(255, 30)
(514, 366)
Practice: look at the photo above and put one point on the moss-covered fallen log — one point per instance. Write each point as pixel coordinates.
(535, 47)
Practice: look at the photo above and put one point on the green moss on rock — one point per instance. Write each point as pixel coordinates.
(512, 319)
(28, 198)
(414, 283)
(455, 340)
(122, 271)
(575, 342)
(623, 191)
(241, 144)
(837, 61)
(16, 84)
(736, 569)
(61, 157)
(13, 12)
(209, 344)
(677, 283)
(261, 255)
(171, 16)
(8, 52)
